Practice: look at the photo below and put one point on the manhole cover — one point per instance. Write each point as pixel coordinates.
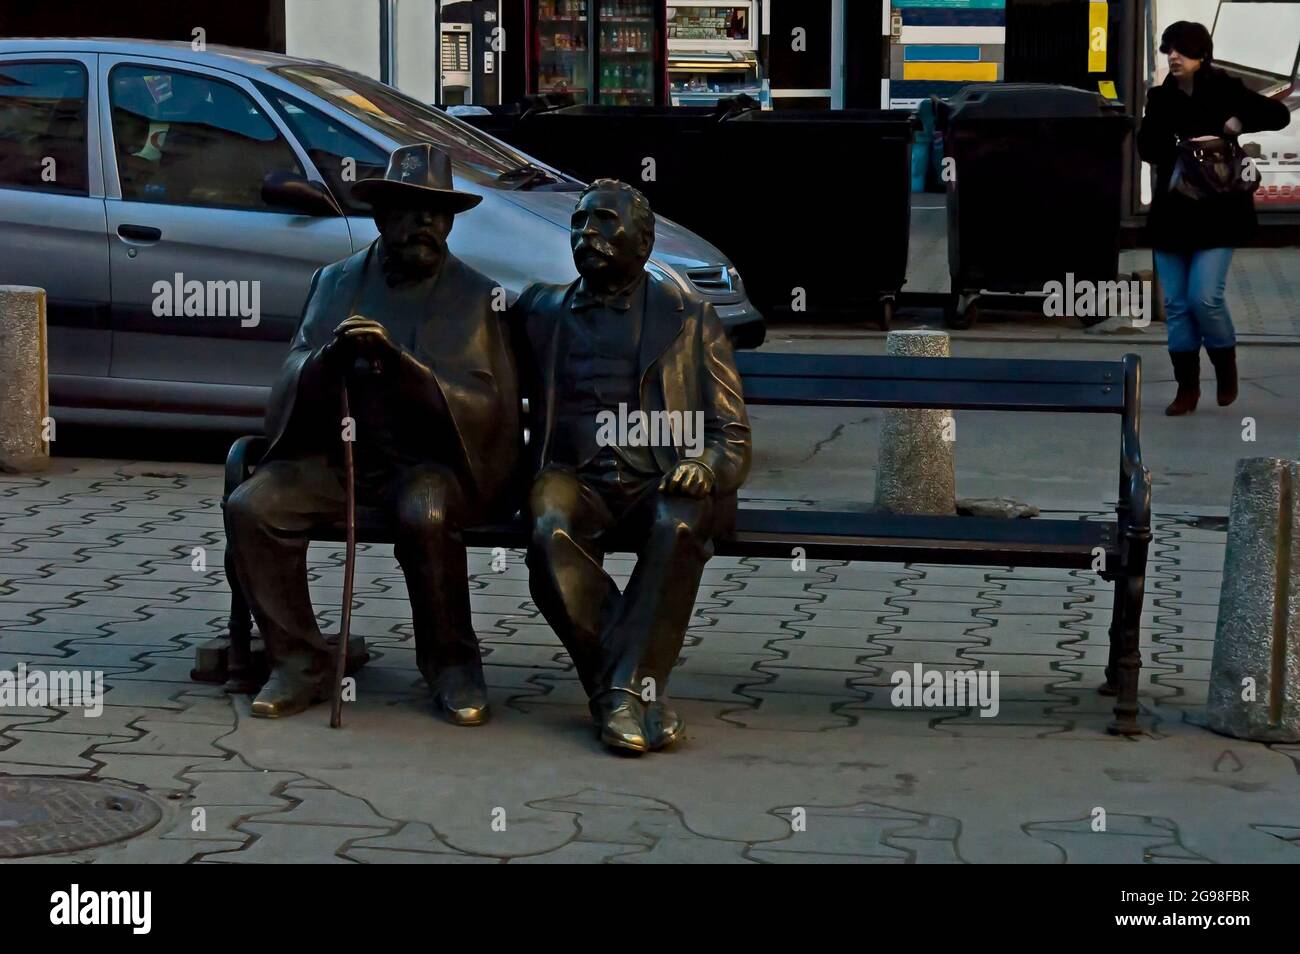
(41, 816)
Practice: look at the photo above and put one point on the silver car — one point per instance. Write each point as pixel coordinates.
(174, 204)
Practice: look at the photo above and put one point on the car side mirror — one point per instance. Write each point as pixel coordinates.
(289, 191)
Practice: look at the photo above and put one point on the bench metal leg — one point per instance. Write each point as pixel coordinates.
(240, 674)
(232, 659)
(1110, 687)
(1126, 654)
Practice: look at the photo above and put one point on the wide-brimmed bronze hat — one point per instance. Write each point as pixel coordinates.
(418, 175)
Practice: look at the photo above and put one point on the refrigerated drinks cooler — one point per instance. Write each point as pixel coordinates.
(608, 52)
(712, 52)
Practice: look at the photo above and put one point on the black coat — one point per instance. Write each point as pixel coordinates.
(1178, 222)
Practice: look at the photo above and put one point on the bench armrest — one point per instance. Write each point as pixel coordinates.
(245, 454)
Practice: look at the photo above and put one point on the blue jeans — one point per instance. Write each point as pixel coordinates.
(1195, 312)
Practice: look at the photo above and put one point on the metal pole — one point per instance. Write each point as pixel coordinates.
(388, 42)
(437, 52)
(837, 54)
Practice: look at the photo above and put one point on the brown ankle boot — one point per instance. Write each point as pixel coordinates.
(1187, 372)
(1225, 373)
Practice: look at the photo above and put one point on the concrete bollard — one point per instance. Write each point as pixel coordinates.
(915, 471)
(24, 384)
(1255, 677)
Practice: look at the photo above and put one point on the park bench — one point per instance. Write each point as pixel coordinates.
(977, 384)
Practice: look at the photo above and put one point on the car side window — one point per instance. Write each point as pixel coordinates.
(43, 127)
(186, 139)
(342, 156)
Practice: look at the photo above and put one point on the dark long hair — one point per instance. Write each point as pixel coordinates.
(1190, 39)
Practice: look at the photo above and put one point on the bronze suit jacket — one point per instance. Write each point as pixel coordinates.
(474, 383)
(686, 364)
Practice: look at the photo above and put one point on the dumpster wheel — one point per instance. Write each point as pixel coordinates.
(961, 311)
(885, 314)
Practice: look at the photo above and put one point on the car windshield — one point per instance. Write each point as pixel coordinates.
(409, 121)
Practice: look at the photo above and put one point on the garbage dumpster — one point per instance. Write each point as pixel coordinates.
(1035, 190)
(820, 204)
(811, 206)
(659, 149)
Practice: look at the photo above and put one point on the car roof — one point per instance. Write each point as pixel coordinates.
(233, 58)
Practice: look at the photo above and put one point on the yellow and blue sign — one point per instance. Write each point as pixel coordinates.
(937, 52)
(946, 44)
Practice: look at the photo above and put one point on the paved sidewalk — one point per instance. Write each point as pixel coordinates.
(1263, 290)
(785, 685)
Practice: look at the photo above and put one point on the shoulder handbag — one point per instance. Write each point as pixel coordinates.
(1212, 166)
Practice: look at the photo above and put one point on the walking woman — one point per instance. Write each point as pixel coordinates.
(1193, 237)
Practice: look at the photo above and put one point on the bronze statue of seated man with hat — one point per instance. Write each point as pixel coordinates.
(624, 343)
(433, 394)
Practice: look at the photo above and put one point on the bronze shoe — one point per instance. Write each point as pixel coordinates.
(460, 694)
(288, 691)
(663, 726)
(618, 714)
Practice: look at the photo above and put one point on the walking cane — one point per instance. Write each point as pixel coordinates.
(349, 570)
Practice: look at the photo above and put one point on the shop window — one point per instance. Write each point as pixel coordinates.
(43, 127)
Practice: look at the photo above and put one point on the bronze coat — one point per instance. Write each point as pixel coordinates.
(461, 339)
(686, 364)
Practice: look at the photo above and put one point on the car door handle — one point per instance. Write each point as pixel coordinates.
(139, 233)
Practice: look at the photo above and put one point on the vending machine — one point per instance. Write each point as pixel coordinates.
(456, 77)
(607, 52)
(470, 45)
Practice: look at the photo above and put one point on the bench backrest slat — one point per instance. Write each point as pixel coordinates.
(958, 395)
(993, 384)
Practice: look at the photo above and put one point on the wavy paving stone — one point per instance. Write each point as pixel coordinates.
(411, 843)
(1127, 839)
(155, 771)
(627, 828)
(112, 723)
(276, 844)
(150, 693)
(170, 738)
(720, 641)
(1287, 833)
(34, 746)
(865, 832)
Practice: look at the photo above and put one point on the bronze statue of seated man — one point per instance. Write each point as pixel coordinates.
(433, 394)
(623, 344)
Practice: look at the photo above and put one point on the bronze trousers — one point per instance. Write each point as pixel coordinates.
(617, 640)
(271, 517)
